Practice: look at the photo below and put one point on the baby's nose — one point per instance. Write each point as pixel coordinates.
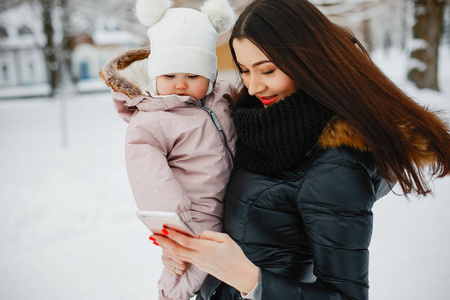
(181, 85)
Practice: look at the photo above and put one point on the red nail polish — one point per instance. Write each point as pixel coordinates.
(198, 237)
(152, 238)
(165, 232)
(156, 243)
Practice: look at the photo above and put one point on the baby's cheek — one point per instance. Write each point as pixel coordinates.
(201, 92)
(204, 90)
(162, 87)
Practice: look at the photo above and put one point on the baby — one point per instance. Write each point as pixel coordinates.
(180, 138)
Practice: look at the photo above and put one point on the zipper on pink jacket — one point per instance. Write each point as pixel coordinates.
(218, 126)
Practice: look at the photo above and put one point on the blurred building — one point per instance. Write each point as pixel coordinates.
(92, 51)
(23, 68)
(22, 62)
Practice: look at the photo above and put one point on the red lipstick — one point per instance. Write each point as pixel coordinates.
(268, 100)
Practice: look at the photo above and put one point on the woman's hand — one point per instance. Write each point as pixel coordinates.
(215, 253)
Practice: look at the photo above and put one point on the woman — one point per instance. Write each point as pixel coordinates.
(322, 134)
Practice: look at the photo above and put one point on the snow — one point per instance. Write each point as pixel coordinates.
(68, 224)
(24, 91)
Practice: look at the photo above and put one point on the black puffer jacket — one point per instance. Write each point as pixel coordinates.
(309, 229)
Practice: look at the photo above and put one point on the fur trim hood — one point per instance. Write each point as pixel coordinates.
(127, 72)
(338, 132)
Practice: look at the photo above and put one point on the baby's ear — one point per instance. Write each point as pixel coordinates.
(149, 12)
(220, 14)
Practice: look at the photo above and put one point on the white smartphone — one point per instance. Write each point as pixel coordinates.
(156, 220)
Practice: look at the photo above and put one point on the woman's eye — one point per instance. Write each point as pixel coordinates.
(268, 72)
(244, 71)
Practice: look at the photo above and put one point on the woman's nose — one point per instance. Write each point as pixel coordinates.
(181, 85)
(254, 86)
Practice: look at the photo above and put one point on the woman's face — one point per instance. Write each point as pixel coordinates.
(261, 77)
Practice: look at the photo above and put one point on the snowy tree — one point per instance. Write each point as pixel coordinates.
(427, 31)
(54, 17)
(376, 23)
(63, 19)
(51, 50)
(446, 34)
(447, 24)
(4, 5)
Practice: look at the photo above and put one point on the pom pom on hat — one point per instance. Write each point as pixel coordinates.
(149, 12)
(220, 14)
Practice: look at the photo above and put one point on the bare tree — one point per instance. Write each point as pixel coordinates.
(427, 31)
(50, 49)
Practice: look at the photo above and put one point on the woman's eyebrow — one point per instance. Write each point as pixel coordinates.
(257, 63)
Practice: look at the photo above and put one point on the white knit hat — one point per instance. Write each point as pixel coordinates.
(183, 40)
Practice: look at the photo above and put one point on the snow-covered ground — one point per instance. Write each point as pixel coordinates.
(68, 228)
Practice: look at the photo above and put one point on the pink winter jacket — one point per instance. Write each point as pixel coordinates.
(178, 153)
(177, 159)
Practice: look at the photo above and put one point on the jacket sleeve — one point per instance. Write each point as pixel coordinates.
(152, 181)
(335, 203)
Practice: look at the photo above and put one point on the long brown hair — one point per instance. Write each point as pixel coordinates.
(332, 66)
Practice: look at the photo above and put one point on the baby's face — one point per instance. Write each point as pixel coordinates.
(182, 84)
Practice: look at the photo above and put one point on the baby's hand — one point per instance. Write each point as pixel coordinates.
(174, 265)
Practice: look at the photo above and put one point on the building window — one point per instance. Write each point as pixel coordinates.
(5, 75)
(84, 70)
(25, 30)
(31, 70)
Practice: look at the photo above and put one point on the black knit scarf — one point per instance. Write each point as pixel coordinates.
(278, 138)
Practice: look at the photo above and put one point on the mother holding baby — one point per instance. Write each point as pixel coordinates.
(322, 134)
